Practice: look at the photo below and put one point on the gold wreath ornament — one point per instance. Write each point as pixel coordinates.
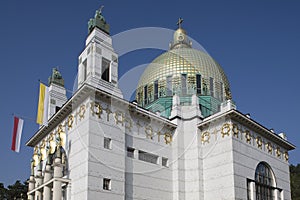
(259, 142)
(225, 130)
(205, 137)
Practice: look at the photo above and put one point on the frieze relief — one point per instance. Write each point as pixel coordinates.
(258, 142)
(57, 138)
(205, 137)
(239, 132)
(137, 127)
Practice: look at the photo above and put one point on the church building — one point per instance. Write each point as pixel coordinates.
(181, 139)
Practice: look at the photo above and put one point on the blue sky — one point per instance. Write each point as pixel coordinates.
(256, 42)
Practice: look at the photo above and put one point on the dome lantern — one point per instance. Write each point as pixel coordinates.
(180, 38)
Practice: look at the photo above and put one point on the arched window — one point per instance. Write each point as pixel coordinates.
(265, 184)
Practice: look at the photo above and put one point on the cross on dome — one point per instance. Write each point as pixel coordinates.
(180, 21)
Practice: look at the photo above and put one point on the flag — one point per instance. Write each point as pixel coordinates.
(42, 115)
(17, 133)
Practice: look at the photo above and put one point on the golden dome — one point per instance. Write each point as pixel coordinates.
(182, 61)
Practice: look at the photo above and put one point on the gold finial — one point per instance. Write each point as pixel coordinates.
(180, 21)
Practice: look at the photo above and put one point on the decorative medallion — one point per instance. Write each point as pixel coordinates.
(60, 129)
(235, 130)
(36, 156)
(278, 152)
(70, 121)
(248, 136)
(52, 143)
(205, 137)
(43, 148)
(61, 135)
(82, 112)
(119, 117)
(269, 147)
(225, 129)
(259, 142)
(96, 109)
(168, 138)
(149, 132)
(286, 156)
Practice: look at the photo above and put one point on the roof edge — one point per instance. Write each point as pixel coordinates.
(237, 115)
(81, 94)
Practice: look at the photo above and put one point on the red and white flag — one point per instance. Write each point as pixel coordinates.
(17, 133)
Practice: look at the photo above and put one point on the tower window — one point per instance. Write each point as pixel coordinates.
(211, 86)
(105, 69)
(107, 143)
(198, 84)
(183, 84)
(106, 184)
(169, 85)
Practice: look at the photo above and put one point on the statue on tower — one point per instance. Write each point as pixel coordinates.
(99, 13)
(56, 78)
(99, 22)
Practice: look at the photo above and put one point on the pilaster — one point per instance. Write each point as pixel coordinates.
(57, 184)
(38, 182)
(47, 177)
(31, 187)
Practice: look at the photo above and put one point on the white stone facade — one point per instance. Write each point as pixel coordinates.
(99, 146)
(206, 159)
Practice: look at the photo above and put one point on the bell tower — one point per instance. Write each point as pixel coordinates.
(98, 63)
(57, 92)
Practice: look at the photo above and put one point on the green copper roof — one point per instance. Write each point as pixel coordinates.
(99, 22)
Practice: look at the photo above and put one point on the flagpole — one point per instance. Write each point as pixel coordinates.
(23, 117)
